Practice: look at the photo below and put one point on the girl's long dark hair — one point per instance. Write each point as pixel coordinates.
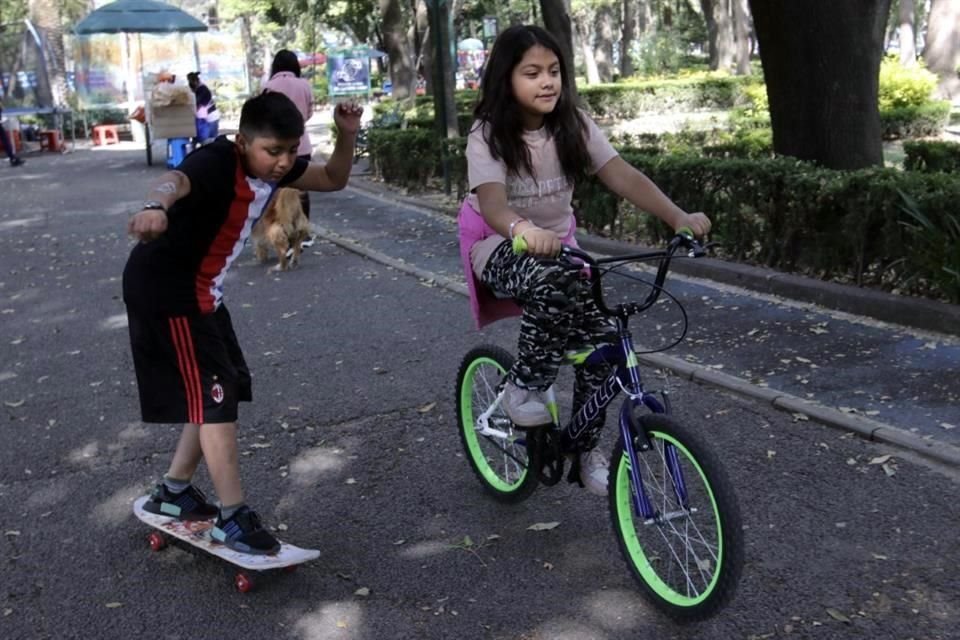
(498, 108)
(285, 60)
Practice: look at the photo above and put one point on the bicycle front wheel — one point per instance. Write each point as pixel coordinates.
(500, 458)
(688, 555)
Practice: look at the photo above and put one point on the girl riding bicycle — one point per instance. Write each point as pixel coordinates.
(528, 146)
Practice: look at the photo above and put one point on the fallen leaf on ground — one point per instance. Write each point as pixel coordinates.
(362, 591)
(113, 605)
(836, 615)
(880, 459)
(427, 407)
(543, 526)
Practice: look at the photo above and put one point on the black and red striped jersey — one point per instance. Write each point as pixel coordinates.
(182, 271)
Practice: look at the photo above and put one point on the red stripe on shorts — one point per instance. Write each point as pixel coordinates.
(187, 361)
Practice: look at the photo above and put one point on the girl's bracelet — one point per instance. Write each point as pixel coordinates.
(515, 223)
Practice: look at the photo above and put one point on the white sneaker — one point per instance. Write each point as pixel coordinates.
(524, 406)
(594, 470)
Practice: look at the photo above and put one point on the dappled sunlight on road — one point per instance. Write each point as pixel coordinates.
(118, 321)
(618, 609)
(117, 508)
(20, 222)
(314, 463)
(426, 549)
(331, 620)
(84, 454)
(49, 496)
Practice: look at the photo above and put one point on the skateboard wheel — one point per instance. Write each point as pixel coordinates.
(243, 582)
(156, 540)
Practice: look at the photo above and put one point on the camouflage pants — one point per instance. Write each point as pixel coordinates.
(559, 315)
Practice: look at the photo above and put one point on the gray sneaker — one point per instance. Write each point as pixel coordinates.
(524, 407)
(594, 470)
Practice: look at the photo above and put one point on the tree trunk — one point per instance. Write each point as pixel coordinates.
(45, 15)
(941, 50)
(603, 42)
(627, 34)
(402, 75)
(742, 29)
(556, 20)
(246, 38)
(582, 24)
(821, 64)
(720, 33)
(443, 100)
(907, 34)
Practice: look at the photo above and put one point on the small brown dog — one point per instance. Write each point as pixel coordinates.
(283, 227)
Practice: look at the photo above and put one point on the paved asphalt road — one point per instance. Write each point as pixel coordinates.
(351, 445)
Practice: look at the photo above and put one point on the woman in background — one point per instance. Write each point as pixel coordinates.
(285, 78)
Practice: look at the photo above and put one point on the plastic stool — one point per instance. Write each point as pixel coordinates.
(177, 150)
(51, 140)
(104, 134)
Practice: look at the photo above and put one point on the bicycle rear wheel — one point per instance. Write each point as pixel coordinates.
(688, 557)
(502, 461)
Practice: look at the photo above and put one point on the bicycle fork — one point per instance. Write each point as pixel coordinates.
(634, 437)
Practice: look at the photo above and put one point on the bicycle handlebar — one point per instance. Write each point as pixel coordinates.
(683, 238)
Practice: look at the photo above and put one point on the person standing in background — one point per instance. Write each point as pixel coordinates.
(285, 78)
(208, 117)
(7, 143)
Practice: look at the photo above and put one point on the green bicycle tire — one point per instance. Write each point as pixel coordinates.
(712, 536)
(481, 371)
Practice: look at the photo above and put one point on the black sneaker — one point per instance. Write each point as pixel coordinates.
(15, 161)
(243, 532)
(189, 504)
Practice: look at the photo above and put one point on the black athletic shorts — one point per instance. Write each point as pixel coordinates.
(190, 369)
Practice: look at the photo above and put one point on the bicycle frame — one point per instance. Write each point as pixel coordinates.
(625, 377)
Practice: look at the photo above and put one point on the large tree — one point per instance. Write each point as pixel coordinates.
(821, 64)
(48, 17)
(556, 20)
(718, 15)
(941, 50)
(402, 73)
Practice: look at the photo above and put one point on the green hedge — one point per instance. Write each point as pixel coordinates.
(791, 216)
(916, 121)
(628, 100)
(931, 155)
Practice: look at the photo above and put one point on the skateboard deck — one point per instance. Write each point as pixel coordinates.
(196, 533)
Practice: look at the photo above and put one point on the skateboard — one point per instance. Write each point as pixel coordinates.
(196, 533)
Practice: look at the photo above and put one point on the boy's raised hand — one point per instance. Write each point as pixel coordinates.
(346, 115)
(147, 225)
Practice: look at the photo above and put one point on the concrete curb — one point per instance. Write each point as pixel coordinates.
(869, 429)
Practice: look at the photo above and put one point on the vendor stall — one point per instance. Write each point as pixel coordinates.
(165, 113)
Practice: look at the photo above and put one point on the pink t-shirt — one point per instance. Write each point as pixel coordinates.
(298, 90)
(545, 200)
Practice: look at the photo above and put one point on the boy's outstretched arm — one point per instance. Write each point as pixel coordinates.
(334, 175)
(151, 220)
(631, 184)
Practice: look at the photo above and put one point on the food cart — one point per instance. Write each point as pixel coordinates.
(169, 112)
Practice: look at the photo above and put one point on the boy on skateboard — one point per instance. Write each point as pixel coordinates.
(189, 366)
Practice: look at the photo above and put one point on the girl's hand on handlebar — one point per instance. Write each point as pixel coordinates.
(697, 222)
(541, 243)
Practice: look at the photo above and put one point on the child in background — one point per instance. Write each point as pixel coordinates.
(528, 146)
(190, 368)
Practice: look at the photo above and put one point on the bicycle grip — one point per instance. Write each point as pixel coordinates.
(519, 245)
